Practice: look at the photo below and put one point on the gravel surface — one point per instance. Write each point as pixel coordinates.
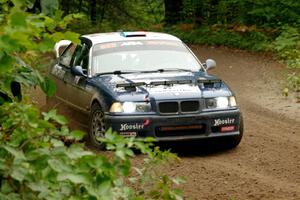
(266, 165)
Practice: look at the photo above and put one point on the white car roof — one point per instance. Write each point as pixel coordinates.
(97, 38)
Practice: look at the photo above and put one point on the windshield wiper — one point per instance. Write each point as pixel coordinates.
(117, 72)
(168, 70)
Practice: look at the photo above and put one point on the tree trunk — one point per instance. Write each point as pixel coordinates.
(173, 10)
(93, 11)
(65, 6)
(36, 8)
(199, 12)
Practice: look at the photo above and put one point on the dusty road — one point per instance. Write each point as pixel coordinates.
(266, 165)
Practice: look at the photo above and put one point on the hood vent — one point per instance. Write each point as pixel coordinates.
(210, 83)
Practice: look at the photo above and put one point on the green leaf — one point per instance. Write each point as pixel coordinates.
(59, 165)
(178, 180)
(55, 117)
(17, 18)
(6, 62)
(10, 196)
(19, 172)
(15, 152)
(38, 187)
(76, 151)
(56, 142)
(74, 178)
(77, 135)
(121, 154)
(48, 86)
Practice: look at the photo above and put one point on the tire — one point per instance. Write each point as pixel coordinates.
(233, 141)
(97, 127)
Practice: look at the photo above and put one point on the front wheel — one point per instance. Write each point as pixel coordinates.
(97, 127)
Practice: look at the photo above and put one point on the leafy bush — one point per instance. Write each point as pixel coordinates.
(287, 46)
(40, 158)
(221, 35)
(263, 13)
(23, 36)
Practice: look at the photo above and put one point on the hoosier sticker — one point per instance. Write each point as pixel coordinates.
(136, 126)
(218, 122)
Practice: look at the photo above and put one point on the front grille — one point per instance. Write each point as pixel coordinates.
(189, 106)
(174, 107)
(168, 107)
(160, 132)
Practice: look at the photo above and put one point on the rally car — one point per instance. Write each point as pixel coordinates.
(145, 84)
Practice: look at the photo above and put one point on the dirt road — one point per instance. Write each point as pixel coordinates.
(266, 165)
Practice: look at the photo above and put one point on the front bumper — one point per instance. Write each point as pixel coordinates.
(178, 127)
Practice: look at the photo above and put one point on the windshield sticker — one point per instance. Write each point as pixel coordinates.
(159, 42)
(105, 46)
(141, 44)
(131, 43)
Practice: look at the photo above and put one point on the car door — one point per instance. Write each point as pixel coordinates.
(78, 94)
(60, 71)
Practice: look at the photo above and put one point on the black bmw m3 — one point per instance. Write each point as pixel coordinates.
(145, 84)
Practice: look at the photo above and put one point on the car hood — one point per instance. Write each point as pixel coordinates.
(187, 85)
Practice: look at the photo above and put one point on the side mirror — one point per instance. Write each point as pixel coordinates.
(60, 47)
(77, 71)
(209, 64)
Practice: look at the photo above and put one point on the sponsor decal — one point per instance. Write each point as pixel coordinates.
(105, 46)
(175, 89)
(227, 128)
(136, 126)
(163, 43)
(128, 134)
(131, 43)
(219, 122)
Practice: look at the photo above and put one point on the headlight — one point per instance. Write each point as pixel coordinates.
(220, 102)
(130, 107)
(232, 101)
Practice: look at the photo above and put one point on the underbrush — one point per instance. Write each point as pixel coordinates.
(221, 35)
(287, 46)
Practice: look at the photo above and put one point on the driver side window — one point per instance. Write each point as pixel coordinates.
(81, 57)
(66, 57)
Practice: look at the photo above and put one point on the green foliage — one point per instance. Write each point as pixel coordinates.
(287, 46)
(220, 35)
(269, 13)
(23, 36)
(42, 159)
(115, 15)
(294, 81)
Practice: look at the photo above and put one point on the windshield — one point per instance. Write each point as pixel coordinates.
(150, 55)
